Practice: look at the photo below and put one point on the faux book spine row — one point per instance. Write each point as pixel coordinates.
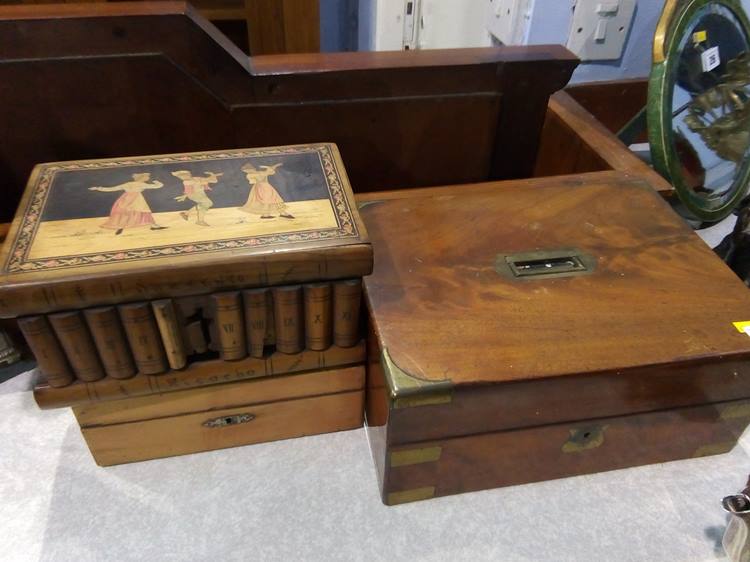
(151, 338)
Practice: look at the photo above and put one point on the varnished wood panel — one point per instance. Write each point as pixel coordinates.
(283, 26)
(160, 79)
(509, 458)
(574, 141)
(612, 103)
(657, 294)
(613, 393)
(259, 391)
(559, 148)
(184, 434)
(489, 187)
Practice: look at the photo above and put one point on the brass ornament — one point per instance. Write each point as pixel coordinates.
(408, 391)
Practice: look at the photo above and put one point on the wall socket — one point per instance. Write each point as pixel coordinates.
(600, 28)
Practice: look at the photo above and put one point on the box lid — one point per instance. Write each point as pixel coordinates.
(106, 231)
(538, 281)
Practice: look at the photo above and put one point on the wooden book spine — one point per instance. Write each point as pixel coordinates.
(270, 320)
(45, 347)
(289, 318)
(200, 374)
(109, 338)
(347, 296)
(195, 338)
(258, 305)
(318, 311)
(230, 325)
(76, 341)
(171, 335)
(143, 336)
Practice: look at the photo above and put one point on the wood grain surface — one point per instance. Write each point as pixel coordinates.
(658, 294)
(573, 141)
(251, 392)
(510, 458)
(184, 434)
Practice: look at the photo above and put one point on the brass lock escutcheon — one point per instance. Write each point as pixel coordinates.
(565, 262)
(224, 421)
(584, 439)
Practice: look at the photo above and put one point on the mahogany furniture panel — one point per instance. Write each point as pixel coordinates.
(612, 103)
(105, 80)
(256, 26)
(283, 26)
(574, 142)
(508, 458)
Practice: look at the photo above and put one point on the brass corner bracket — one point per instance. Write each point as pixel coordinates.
(408, 391)
(408, 496)
(410, 457)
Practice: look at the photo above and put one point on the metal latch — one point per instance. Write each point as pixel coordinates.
(229, 420)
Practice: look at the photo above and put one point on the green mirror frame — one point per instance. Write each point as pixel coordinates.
(678, 19)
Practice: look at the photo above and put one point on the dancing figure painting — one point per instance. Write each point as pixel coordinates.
(264, 200)
(101, 211)
(131, 209)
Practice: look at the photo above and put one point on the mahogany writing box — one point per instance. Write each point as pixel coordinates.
(189, 302)
(536, 329)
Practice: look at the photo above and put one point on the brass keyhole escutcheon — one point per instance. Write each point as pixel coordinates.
(584, 439)
(224, 421)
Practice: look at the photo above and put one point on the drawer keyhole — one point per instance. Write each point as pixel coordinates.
(224, 421)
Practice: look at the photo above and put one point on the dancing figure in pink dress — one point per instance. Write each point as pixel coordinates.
(263, 200)
(131, 209)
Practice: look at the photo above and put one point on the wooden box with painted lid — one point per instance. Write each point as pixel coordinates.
(536, 329)
(158, 291)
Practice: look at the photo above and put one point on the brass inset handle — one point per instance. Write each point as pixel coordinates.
(224, 421)
(546, 263)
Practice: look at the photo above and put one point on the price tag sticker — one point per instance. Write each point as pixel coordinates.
(742, 327)
(710, 59)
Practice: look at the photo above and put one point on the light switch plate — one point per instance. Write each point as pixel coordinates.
(599, 28)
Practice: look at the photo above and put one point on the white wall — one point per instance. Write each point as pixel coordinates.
(447, 24)
(550, 23)
(461, 23)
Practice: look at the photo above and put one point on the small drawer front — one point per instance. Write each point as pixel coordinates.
(219, 429)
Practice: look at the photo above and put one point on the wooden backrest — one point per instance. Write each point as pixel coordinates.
(104, 80)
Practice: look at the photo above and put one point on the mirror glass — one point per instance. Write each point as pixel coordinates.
(711, 104)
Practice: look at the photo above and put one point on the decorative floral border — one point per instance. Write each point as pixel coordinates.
(17, 262)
